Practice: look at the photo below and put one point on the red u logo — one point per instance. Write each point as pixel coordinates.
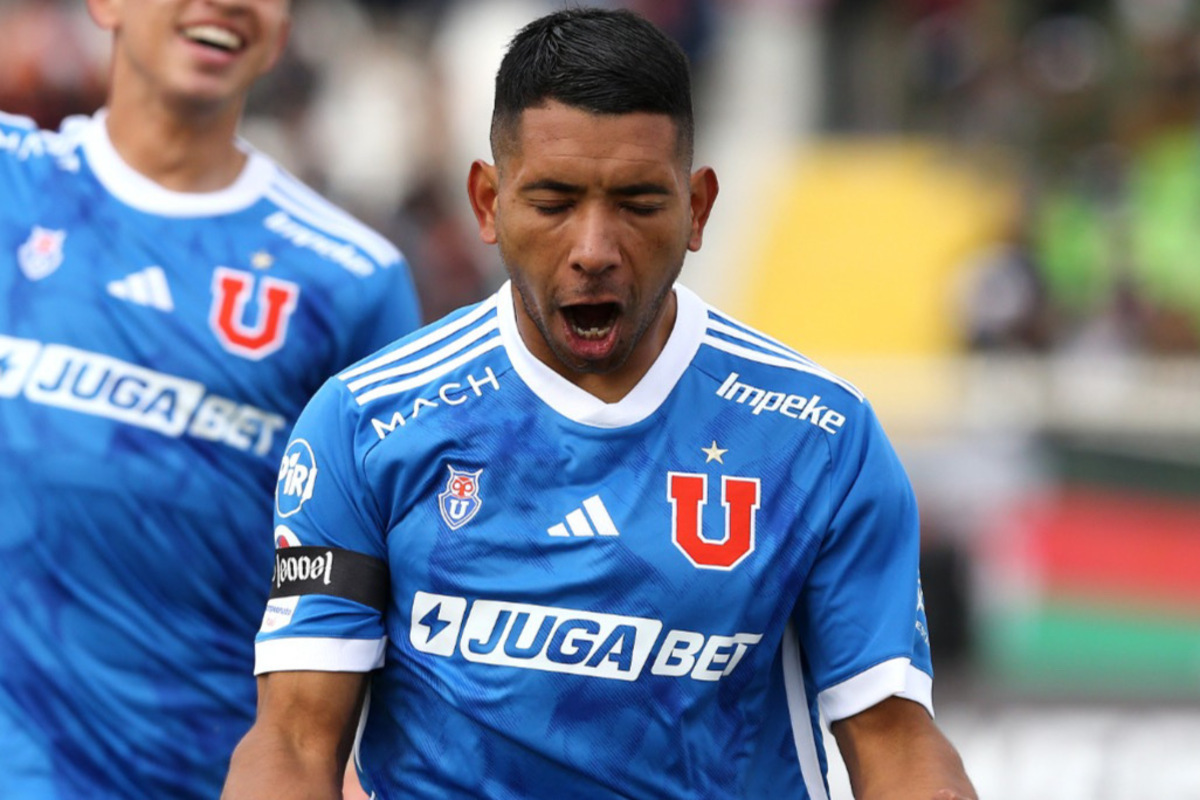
(688, 494)
(276, 302)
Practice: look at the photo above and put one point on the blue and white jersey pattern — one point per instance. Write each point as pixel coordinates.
(650, 598)
(155, 349)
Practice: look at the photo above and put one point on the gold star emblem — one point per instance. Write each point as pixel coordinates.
(713, 453)
(262, 260)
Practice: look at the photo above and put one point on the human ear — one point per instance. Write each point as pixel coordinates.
(284, 33)
(104, 13)
(483, 190)
(704, 189)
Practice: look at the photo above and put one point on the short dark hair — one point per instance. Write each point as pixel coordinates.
(598, 60)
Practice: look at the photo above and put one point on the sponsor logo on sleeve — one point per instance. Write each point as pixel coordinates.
(295, 565)
(332, 572)
(345, 255)
(922, 631)
(286, 537)
(803, 409)
(453, 393)
(34, 143)
(281, 609)
(297, 478)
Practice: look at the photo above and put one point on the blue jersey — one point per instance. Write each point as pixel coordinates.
(651, 598)
(155, 349)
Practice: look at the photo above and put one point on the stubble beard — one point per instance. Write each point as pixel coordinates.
(563, 354)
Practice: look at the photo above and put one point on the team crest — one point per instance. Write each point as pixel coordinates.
(688, 495)
(41, 253)
(460, 502)
(275, 300)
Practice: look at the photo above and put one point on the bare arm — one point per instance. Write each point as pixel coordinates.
(893, 751)
(298, 746)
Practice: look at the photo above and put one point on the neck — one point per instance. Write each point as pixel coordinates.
(184, 150)
(614, 386)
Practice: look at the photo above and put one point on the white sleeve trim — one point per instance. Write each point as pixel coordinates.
(894, 677)
(318, 654)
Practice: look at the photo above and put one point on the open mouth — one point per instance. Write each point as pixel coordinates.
(215, 37)
(591, 322)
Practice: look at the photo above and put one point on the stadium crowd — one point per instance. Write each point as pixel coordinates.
(1094, 104)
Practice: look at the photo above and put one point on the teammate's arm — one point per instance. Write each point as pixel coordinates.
(894, 751)
(298, 746)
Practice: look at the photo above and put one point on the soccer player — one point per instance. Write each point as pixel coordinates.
(169, 300)
(592, 537)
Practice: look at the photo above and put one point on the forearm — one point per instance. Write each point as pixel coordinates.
(299, 745)
(270, 768)
(924, 768)
(895, 752)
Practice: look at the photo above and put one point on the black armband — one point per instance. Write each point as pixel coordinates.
(331, 571)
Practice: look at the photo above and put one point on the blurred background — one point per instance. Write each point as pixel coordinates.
(985, 214)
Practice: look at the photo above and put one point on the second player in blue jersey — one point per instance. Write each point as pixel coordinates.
(169, 300)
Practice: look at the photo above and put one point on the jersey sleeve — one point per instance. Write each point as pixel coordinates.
(16, 134)
(861, 619)
(329, 584)
(392, 309)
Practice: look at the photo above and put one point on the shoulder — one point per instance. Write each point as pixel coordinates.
(771, 379)
(26, 148)
(385, 411)
(315, 224)
(442, 364)
(10, 123)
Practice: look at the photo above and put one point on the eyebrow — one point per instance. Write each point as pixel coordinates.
(547, 185)
(635, 189)
(629, 190)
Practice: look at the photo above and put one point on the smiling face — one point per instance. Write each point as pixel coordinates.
(201, 54)
(593, 215)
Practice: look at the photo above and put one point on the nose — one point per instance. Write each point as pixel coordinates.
(595, 249)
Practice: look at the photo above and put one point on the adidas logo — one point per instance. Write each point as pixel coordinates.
(147, 287)
(595, 521)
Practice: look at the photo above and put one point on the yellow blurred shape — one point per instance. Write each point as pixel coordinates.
(861, 244)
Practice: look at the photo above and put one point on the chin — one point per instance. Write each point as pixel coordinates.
(206, 97)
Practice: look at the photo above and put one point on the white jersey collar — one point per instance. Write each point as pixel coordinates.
(576, 404)
(136, 190)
